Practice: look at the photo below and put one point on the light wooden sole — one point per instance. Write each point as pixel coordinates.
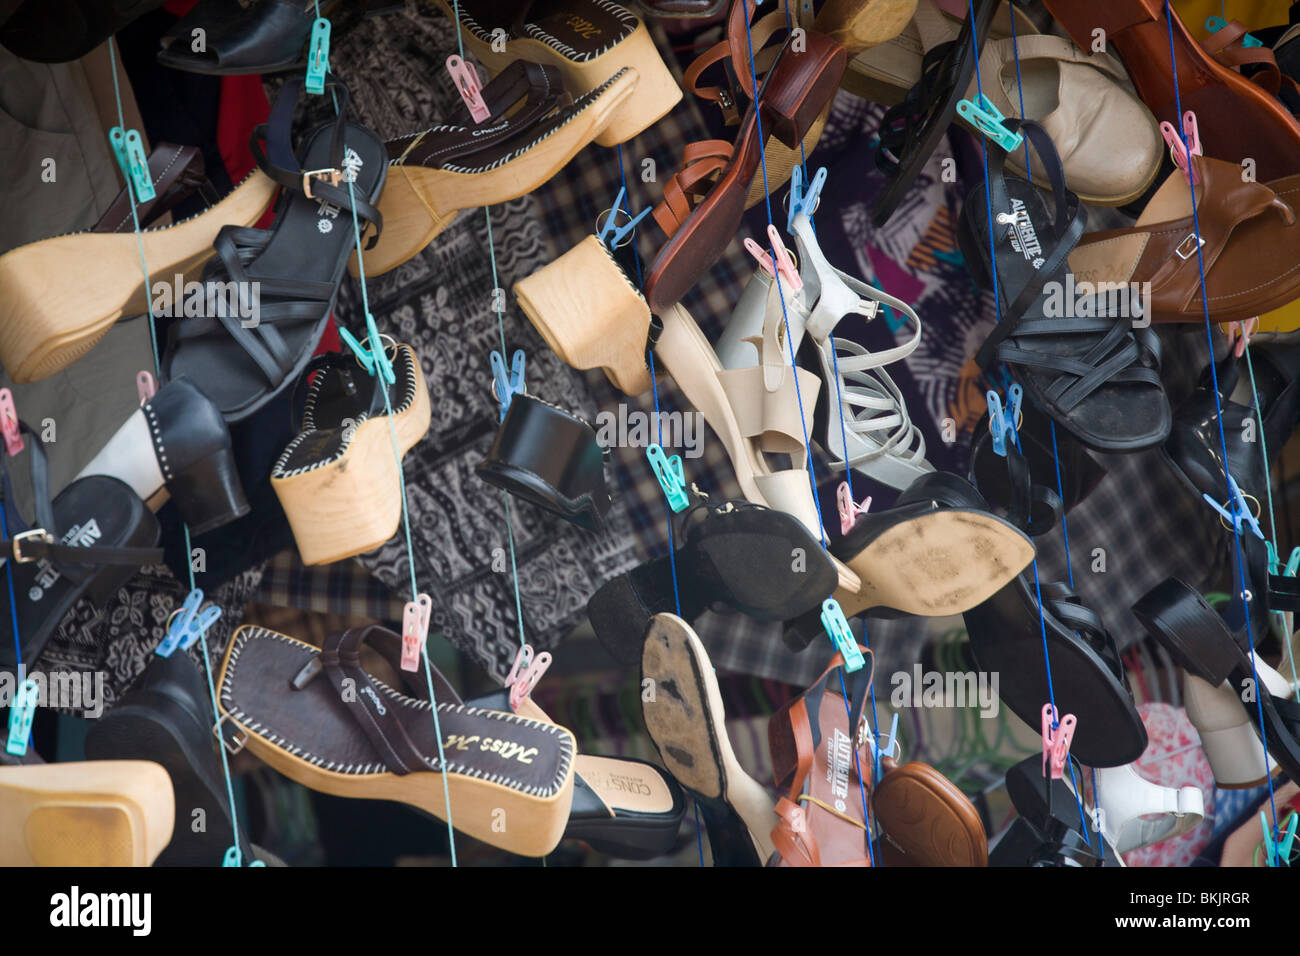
(61, 295)
(354, 505)
(781, 160)
(533, 826)
(858, 25)
(656, 93)
(418, 202)
(94, 813)
(590, 314)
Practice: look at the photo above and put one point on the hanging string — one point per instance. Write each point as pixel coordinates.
(1223, 441)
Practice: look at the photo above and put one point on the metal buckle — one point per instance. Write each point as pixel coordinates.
(333, 175)
(1191, 237)
(38, 534)
(233, 746)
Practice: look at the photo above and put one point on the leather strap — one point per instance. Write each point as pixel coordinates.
(701, 161)
(176, 173)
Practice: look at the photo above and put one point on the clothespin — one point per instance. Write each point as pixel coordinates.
(671, 475)
(13, 436)
(801, 202)
(128, 147)
(471, 89)
(525, 674)
(318, 55)
(841, 636)
(188, 624)
(1181, 152)
(985, 117)
(779, 261)
(1242, 332)
(849, 511)
(613, 236)
(1004, 421)
(415, 630)
(372, 356)
(1279, 853)
(506, 387)
(21, 712)
(232, 857)
(1215, 24)
(1057, 736)
(1235, 511)
(146, 386)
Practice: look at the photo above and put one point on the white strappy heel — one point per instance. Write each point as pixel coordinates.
(1136, 812)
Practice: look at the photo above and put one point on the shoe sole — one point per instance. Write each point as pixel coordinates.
(858, 25)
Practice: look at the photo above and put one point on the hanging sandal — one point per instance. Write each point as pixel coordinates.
(823, 814)
(352, 735)
(338, 478)
(88, 542)
(534, 129)
(924, 819)
(1050, 813)
(1095, 375)
(587, 40)
(1137, 813)
(295, 266)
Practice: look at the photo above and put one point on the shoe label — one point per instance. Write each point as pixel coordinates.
(1024, 238)
(505, 748)
(79, 536)
(839, 758)
(327, 212)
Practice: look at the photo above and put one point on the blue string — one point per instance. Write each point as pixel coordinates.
(1223, 441)
(13, 602)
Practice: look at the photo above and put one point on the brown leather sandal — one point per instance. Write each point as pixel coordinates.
(1251, 247)
(510, 779)
(1227, 48)
(823, 815)
(925, 819)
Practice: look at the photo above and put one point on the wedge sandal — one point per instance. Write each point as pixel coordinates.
(90, 813)
(346, 733)
(533, 131)
(295, 267)
(589, 41)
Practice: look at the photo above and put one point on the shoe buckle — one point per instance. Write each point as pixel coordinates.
(237, 741)
(334, 176)
(36, 534)
(1188, 246)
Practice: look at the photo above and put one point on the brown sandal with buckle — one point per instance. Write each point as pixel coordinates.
(823, 815)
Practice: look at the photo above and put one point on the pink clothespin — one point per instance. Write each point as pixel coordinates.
(146, 386)
(471, 90)
(415, 630)
(1177, 150)
(1244, 329)
(849, 511)
(1056, 741)
(525, 674)
(9, 423)
(782, 263)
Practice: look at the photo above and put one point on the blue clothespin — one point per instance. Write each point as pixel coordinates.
(611, 235)
(984, 116)
(1279, 853)
(801, 201)
(372, 356)
(1215, 24)
(318, 55)
(188, 625)
(505, 387)
(199, 626)
(841, 636)
(21, 712)
(1235, 511)
(671, 475)
(891, 748)
(1004, 421)
(128, 147)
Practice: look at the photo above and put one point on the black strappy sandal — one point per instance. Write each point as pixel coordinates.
(910, 131)
(1094, 375)
(242, 362)
(88, 542)
(1049, 832)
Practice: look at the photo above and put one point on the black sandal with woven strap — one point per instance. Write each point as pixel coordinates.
(243, 352)
(1076, 353)
(87, 542)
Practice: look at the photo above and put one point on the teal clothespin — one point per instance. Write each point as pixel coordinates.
(1215, 24)
(318, 56)
(372, 356)
(671, 475)
(1279, 853)
(984, 116)
(613, 236)
(1004, 421)
(1235, 510)
(21, 713)
(1275, 563)
(841, 636)
(506, 387)
(801, 201)
(128, 147)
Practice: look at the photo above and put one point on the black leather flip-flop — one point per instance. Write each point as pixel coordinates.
(265, 37)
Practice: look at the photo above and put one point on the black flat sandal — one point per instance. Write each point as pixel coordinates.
(243, 361)
(1094, 375)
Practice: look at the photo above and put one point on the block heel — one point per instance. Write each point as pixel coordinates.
(209, 493)
(800, 86)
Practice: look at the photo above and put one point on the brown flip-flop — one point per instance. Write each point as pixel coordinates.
(926, 820)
